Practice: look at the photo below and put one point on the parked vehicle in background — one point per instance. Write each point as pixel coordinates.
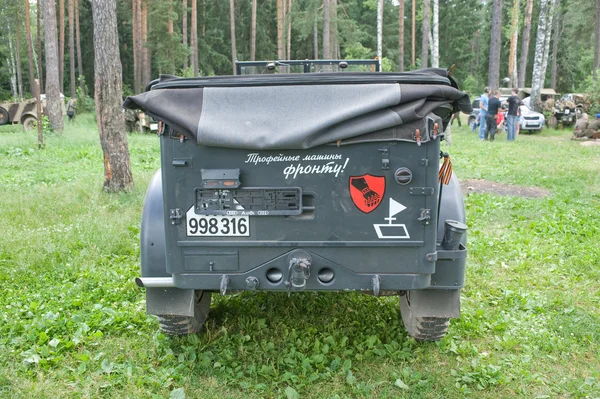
(531, 121)
(136, 121)
(24, 112)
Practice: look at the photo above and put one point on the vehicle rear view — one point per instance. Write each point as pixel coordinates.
(304, 182)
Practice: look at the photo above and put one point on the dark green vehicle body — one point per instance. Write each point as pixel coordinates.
(322, 197)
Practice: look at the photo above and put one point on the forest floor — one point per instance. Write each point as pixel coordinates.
(73, 322)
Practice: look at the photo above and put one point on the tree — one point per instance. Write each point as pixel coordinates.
(326, 31)
(71, 11)
(495, 45)
(136, 46)
(18, 52)
(414, 36)
(34, 85)
(107, 74)
(379, 31)
(184, 32)
(253, 32)
(53, 101)
(194, 38)
(316, 38)
(289, 29)
(78, 40)
(146, 60)
(525, 43)
(512, 57)
(597, 39)
(425, 42)
(232, 30)
(401, 36)
(549, 21)
(39, 45)
(435, 45)
(280, 27)
(537, 80)
(555, 48)
(61, 43)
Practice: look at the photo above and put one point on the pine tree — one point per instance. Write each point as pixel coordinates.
(495, 45)
(525, 43)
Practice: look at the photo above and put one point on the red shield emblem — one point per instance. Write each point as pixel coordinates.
(367, 191)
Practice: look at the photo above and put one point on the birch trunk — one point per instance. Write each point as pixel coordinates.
(401, 36)
(232, 31)
(549, 22)
(108, 78)
(525, 43)
(379, 31)
(540, 44)
(53, 101)
(13, 67)
(435, 48)
(71, 10)
(495, 44)
(425, 42)
(253, 32)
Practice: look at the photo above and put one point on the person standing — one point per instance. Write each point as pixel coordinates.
(514, 102)
(71, 105)
(490, 116)
(483, 107)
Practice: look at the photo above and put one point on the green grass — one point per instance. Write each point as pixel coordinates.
(73, 323)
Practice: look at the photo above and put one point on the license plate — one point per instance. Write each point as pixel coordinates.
(218, 226)
(154, 126)
(567, 111)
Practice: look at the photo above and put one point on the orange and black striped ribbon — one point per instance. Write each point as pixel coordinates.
(445, 171)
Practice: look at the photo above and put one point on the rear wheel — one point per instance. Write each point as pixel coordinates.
(422, 328)
(471, 122)
(30, 123)
(186, 325)
(3, 116)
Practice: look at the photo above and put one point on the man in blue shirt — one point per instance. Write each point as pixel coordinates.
(483, 107)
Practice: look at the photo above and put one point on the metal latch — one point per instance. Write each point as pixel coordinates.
(385, 158)
(425, 216)
(175, 216)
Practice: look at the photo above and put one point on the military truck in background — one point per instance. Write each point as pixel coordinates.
(25, 112)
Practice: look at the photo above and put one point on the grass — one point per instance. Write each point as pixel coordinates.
(73, 323)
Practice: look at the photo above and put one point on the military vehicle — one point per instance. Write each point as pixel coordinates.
(24, 112)
(304, 182)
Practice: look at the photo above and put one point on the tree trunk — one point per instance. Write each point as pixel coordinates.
(597, 39)
(34, 84)
(136, 50)
(53, 101)
(61, 43)
(71, 10)
(203, 18)
(525, 43)
(435, 48)
(253, 32)
(39, 45)
(194, 38)
(326, 31)
(551, 9)
(170, 32)
(18, 52)
(78, 41)
(495, 45)
(555, 47)
(401, 36)
(512, 57)
(540, 44)
(184, 31)
(414, 37)
(316, 38)
(107, 74)
(280, 17)
(289, 30)
(333, 30)
(379, 31)
(13, 68)
(425, 42)
(232, 31)
(146, 61)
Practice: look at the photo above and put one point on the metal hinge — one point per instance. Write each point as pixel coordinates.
(425, 216)
(175, 216)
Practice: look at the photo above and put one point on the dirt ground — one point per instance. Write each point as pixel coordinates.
(485, 186)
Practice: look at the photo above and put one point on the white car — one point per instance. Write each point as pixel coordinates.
(530, 120)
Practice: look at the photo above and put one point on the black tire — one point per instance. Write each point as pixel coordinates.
(3, 116)
(471, 122)
(186, 325)
(29, 123)
(422, 328)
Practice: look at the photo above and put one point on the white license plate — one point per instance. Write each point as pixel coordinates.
(567, 111)
(217, 226)
(154, 126)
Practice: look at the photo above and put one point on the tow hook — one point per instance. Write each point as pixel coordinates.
(298, 272)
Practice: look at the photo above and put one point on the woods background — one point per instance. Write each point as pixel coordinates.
(159, 36)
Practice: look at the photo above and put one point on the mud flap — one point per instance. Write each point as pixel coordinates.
(434, 303)
(169, 302)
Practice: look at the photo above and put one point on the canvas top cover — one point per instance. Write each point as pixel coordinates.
(300, 111)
